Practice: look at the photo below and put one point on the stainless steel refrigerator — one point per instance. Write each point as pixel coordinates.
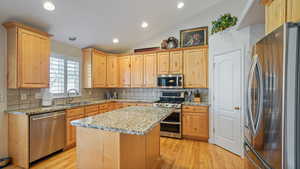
(271, 132)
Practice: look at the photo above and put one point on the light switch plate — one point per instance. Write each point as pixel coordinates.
(23, 96)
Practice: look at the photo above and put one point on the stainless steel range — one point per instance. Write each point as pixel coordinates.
(171, 126)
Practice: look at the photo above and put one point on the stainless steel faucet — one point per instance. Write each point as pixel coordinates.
(69, 92)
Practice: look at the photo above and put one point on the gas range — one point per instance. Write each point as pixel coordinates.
(171, 125)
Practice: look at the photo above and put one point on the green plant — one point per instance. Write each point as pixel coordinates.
(223, 23)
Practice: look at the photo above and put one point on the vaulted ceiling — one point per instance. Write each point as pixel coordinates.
(96, 22)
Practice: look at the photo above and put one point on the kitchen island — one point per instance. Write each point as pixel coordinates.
(127, 138)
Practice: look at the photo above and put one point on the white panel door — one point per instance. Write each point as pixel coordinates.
(227, 101)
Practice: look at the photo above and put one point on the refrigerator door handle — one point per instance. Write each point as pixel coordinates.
(249, 94)
(261, 97)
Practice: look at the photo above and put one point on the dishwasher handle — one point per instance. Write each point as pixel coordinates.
(47, 116)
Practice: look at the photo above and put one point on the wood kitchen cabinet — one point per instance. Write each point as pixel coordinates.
(91, 110)
(275, 14)
(163, 62)
(112, 71)
(124, 71)
(94, 68)
(293, 10)
(196, 68)
(28, 53)
(170, 62)
(137, 71)
(150, 70)
(195, 122)
(72, 114)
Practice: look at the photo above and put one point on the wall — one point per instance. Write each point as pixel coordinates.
(3, 117)
(226, 42)
(205, 18)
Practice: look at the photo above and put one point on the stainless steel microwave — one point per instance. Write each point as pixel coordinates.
(170, 81)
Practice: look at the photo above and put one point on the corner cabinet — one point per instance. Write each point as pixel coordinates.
(28, 53)
(195, 68)
(94, 68)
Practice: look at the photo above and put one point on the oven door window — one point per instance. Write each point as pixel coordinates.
(174, 117)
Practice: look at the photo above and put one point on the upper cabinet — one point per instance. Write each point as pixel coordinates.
(124, 71)
(112, 71)
(94, 68)
(275, 14)
(196, 68)
(163, 65)
(150, 70)
(137, 71)
(28, 53)
(170, 62)
(293, 10)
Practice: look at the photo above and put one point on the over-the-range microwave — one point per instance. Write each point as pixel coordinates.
(170, 81)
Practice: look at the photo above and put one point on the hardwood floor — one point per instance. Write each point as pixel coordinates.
(176, 154)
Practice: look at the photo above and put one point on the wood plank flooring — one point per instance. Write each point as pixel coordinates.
(176, 154)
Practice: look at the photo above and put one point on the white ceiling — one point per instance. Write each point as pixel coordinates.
(96, 22)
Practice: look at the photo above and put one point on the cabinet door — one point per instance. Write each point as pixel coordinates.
(137, 71)
(150, 70)
(275, 14)
(196, 68)
(33, 60)
(195, 125)
(99, 70)
(176, 62)
(71, 131)
(293, 10)
(163, 59)
(124, 71)
(112, 71)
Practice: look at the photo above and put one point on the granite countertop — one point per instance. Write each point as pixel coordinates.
(138, 120)
(188, 103)
(41, 110)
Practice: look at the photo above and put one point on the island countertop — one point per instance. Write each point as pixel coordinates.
(137, 120)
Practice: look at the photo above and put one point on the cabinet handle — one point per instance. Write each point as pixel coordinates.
(236, 108)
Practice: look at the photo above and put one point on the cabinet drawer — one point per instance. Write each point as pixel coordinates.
(103, 106)
(91, 114)
(91, 109)
(195, 109)
(75, 112)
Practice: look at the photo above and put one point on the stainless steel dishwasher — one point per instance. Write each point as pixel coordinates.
(47, 134)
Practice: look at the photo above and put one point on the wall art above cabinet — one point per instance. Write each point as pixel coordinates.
(28, 52)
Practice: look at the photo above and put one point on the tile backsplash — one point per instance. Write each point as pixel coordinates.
(32, 98)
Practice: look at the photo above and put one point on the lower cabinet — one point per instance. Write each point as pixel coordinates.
(195, 123)
(72, 114)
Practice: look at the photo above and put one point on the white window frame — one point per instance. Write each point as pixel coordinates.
(67, 58)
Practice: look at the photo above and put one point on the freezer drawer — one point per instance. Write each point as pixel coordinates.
(252, 161)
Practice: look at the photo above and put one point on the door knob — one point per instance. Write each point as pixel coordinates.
(236, 108)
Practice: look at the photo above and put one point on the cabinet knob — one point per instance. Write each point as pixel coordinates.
(237, 108)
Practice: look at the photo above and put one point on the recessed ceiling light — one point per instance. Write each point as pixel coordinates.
(144, 24)
(180, 5)
(115, 40)
(49, 6)
(72, 38)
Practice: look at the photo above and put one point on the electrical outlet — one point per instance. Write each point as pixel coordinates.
(38, 95)
(23, 96)
(1, 98)
(90, 92)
